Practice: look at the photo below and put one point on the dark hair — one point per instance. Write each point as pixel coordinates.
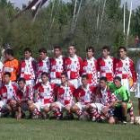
(44, 73)
(22, 80)
(103, 79)
(28, 50)
(9, 52)
(57, 47)
(65, 74)
(106, 48)
(7, 73)
(72, 45)
(90, 48)
(85, 76)
(117, 78)
(42, 50)
(122, 47)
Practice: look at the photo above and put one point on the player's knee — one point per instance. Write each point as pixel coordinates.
(74, 108)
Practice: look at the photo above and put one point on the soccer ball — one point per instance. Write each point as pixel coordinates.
(137, 120)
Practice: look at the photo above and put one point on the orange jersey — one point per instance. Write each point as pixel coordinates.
(12, 66)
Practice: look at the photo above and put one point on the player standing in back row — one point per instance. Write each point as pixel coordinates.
(73, 66)
(124, 68)
(56, 66)
(90, 66)
(105, 65)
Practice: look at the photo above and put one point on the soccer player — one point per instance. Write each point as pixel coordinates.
(44, 96)
(89, 67)
(11, 64)
(84, 97)
(103, 106)
(43, 65)
(56, 66)
(73, 66)
(64, 96)
(105, 65)
(123, 104)
(8, 94)
(25, 97)
(124, 68)
(28, 67)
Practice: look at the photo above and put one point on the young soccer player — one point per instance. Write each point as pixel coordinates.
(64, 95)
(44, 96)
(73, 66)
(124, 68)
(104, 101)
(56, 66)
(84, 97)
(89, 67)
(8, 94)
(105, 65)
(25, 97)
(28, 67)
(43, 65)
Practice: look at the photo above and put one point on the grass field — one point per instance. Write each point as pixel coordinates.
(10, 129)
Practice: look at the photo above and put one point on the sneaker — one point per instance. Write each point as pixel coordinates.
(124, 122)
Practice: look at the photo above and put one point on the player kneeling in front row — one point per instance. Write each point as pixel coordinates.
(44, 96)
(104, 101)
(25, 97)
(124, 104)
(84, 96)
(8, 95)
(64, 95)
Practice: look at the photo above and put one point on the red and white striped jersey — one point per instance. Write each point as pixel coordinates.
(43, 66)
(45, 92)
(65, 94)
(90, 69)
(26, 93)
(9, 92)
(27, 69)
(56, 67)
(84, 95)
(125, 69)
(105, 68)
(104, 97)
(73, 67)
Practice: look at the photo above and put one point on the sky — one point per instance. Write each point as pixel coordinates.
(19, 3)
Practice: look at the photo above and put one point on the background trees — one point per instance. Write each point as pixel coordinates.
(90, 23)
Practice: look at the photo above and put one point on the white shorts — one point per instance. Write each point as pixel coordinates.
(81, 106)
(56, 81)
(61, 106)
(75, 82)
(2, 104)
(125, 82)
(98, 106)
(40, 106)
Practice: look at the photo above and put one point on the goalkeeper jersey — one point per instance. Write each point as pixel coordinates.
(121, 93)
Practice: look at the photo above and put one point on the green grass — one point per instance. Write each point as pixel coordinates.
(10, 129)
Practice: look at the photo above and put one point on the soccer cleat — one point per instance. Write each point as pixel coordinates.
(124, 122)
(93, 119)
